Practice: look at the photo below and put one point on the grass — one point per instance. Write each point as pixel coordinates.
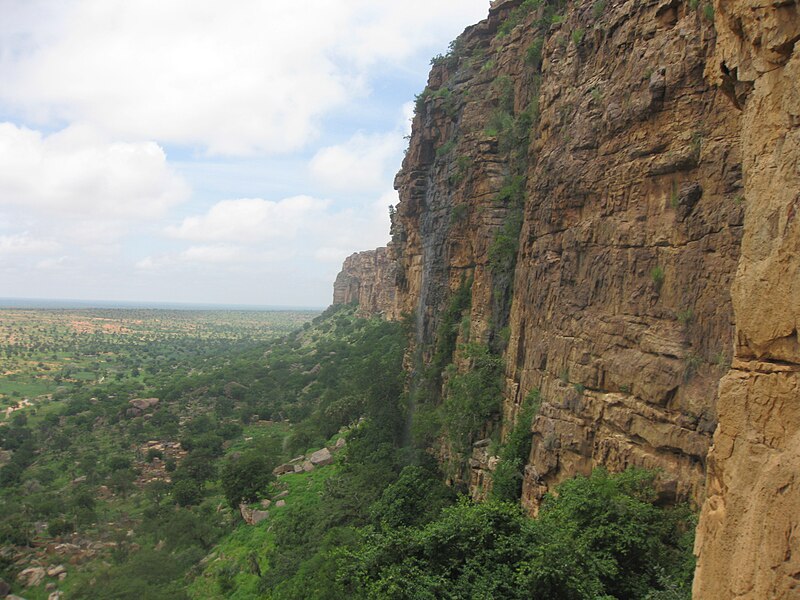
(238, 549)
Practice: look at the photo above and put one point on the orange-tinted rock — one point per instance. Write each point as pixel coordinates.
(748, 544)
(367, 278)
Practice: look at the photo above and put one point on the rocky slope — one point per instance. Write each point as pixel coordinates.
(617, 182)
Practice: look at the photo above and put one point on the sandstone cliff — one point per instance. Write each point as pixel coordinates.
(618, 183)
(630, 176)
(368, 279)
(748, 537)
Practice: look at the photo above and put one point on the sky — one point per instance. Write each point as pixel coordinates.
(195, 151)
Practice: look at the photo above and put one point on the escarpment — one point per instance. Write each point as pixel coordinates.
(604, 194)
(575, 164)
(368, 279)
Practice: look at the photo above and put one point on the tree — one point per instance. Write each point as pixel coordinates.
(243, 478)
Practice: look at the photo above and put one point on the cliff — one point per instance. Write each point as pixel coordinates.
(616, 184)
(368, 279)
(748, 541)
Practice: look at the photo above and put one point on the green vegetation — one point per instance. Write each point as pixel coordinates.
(446, 148)
(157, 492)
(473, 398)
(708, 12)
(598, 8)
(600, 537)
(507, 477)
(577, 36)
(657, 275)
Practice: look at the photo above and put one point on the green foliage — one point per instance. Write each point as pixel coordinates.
(533, 54)
(472, 398)
(445, 148)
(415, 498)
(600, 537)
(708, 12)
(514, 454)
(598, 8)
(450, 59)
(244, 478)
(447, 332)
(577, 36)
(694, 4)
(657, 275)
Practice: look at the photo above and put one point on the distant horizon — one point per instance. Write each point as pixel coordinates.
(76, 303)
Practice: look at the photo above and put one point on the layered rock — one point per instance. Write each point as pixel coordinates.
(621, 313)
(368, 279)
(748, 541)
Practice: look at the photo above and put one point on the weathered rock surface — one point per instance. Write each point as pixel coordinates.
(32, 576)
(368, 279)
(748, 541)
(321, 457)
(252, 516)
(620, 310)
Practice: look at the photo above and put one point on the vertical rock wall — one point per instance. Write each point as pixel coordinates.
(368, 279)
(749, 532)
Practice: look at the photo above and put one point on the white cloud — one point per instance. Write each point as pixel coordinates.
(25, 244)
(362, 163)
(253, 76)
(76, 172)
(250, 220)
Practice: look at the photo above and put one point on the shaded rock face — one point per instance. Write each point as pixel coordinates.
(748, 541)
(367, 278)
(622, 315)
(619, 311)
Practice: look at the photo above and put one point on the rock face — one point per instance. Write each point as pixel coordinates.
(367, 278)
(748, 541)
(626, 178)
(618, 189)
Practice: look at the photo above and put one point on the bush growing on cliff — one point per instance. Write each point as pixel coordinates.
(507, 477)
(600, 537)
(472, 397)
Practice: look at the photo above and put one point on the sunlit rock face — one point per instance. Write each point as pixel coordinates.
(368, 279)
(748, 541)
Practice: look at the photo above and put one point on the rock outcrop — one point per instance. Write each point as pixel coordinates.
(368, 279)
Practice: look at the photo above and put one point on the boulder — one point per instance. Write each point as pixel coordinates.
(283, 494)
(265, 503)
(308, 466)
(283, 469)
(144, 404)
(340, 443)
(55, 596)
(252, 516)
(321, 457)
(32, 576)
(280, 503)
(55, 571)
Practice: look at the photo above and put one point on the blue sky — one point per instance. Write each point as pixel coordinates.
(188, 151)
